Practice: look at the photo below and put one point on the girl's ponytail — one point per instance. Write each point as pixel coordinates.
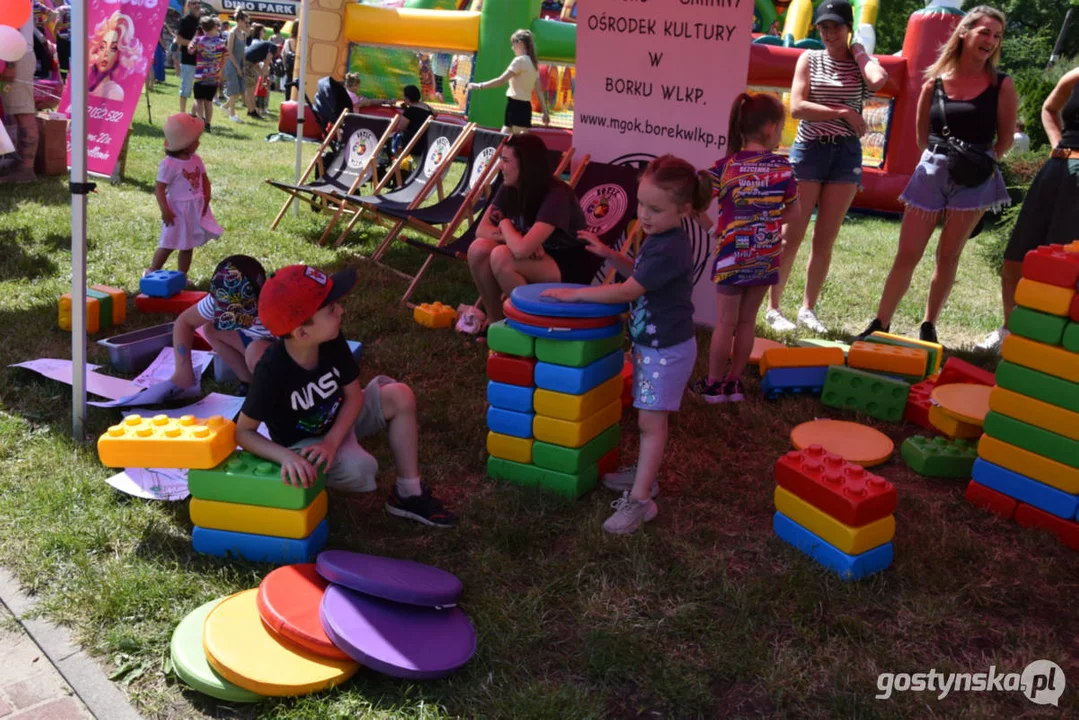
(702, 191)
(735, 141)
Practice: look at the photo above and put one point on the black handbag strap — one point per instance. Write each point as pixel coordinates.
(938, 90)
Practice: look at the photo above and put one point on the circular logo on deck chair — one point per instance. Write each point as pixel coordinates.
(480, 166)
(604, 206)
(360, 148)
(435, 155)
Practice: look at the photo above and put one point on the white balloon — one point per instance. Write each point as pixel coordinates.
(12, 44)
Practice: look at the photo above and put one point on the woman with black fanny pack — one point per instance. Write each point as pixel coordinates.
(966, 122)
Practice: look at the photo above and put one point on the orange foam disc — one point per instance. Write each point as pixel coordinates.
(853, 442)
(289, 600)
(963, 401)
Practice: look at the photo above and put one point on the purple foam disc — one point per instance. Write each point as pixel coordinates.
(402, 641)
(403, 581)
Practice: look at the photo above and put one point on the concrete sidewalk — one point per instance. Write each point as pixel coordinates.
(42, 675)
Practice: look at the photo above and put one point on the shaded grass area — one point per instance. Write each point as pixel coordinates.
(705, 614)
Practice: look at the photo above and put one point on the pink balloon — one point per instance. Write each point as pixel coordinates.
(12, 44)
(14, 13)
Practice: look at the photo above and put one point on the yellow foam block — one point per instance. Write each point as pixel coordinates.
(1044, 298)
(568, 433)
(577, 407)
(258, 519)
(93, 314)
(851, 540)
(786, 357)
(921, 343)
(1035, 412)
(1048, 359)
(952, 426)
(119, 302)
(888, 358)
(164, 442)
(1024, 462)
(508, 447)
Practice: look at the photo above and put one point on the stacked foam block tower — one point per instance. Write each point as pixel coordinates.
(163, 291)
(838, 513)
(1028, 459)
(242, 508)
(105, 307)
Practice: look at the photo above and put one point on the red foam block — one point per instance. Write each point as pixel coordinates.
(989, 499)
(1073, 313)
(1066, 530)
(918, 402)
(627, 384)
(609, 462)
(171, 305)
(510, 369)
(847, 492)
(1049, 264)
(960, 371)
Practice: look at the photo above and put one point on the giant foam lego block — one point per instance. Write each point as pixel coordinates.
(845, 491)
(258, 520)
(504, 339)
(1044, 298)
(570, 485)
(1035, 467)
(797, 357)
(568, 433)
(951, 426)
(849, 539)
(260, 548)
(508, 447)
(508, 422)
(890, 359)
(960, 371)
(119, 302)
(162, 283)
(939, 456)
(511, 369)
(1037, 326)
(919, 402)
(164, 442)
(576, 353)
(434, 315)
(1038, 385)
(935, 350)
(1031, 517)
(793, 381)
(577, 407)
(989, 499)
(879, 397)
(1026, 490)
(93, 313)
(848, 567)
(822, 343)
(573, 461)
(1055, 361)
(1052, 265)
(104, 300)
(577, 381)
(1070, 339)
(510, 397)
(1035, 439)
(169, 305)
(250, 480)
(1035, 412)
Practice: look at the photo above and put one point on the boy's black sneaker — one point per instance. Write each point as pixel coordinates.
(875, 326)
(423, 508)
(711, 393)
(927, 333)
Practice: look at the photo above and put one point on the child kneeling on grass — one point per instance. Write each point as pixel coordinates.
(660, 287)
(306, 389)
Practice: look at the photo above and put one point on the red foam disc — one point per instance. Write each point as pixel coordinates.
(570, 323)
(288, 601)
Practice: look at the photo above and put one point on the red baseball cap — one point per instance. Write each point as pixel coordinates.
(295, 293)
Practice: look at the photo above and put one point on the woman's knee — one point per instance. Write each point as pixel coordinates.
(502, 261)
(479, 252)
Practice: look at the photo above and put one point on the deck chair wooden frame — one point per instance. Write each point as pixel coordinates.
(315, 162)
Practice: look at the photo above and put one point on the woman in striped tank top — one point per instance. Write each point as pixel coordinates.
(829, 88)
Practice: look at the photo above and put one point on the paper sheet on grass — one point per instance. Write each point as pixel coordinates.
(153, 385)
(60, 370)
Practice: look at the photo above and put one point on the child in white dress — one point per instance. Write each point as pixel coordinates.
(183, 193)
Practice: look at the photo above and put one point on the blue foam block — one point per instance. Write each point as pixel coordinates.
(793, 381)
(849, 567)
(601, 333)
(510, 397)
(526, 298)
(1042, 496)
(261, 548)
(163, 283)
(577, 381)
(508, 422)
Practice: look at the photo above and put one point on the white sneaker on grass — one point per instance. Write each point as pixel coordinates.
(629, 515)
(235, 118)
(777, 322)
(993, 340)
(621, 480)
(809, 318)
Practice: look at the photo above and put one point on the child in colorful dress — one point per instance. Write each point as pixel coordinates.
(183, 194)
(209, 52)
(660, 286)
(757, 195)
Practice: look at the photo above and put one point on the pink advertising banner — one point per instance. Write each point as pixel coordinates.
(123, 34)
(659, 76)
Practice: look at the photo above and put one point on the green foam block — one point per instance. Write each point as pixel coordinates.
(1035, 439)
(504, 339)
(247, 479)
(575, 460)
(851, 389)
(939, 456)
(1071, 337)
(576, 353)
(1038, 385)
(104, 300)
(570, 485)
(1039, 326)
(821, 342)
(931, 364)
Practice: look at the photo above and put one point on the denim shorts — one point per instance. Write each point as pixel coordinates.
(931, 189)
(187, 80)
(660, 375)
(828, 160)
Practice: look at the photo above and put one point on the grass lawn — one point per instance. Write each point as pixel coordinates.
(705, 614)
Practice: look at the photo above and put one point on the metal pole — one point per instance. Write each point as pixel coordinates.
(79, 188)
(1060, 39)
(301, 101)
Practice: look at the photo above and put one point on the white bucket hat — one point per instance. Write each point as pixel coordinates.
(181, 130)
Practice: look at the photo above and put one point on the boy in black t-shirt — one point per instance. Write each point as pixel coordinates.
(306, 389)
